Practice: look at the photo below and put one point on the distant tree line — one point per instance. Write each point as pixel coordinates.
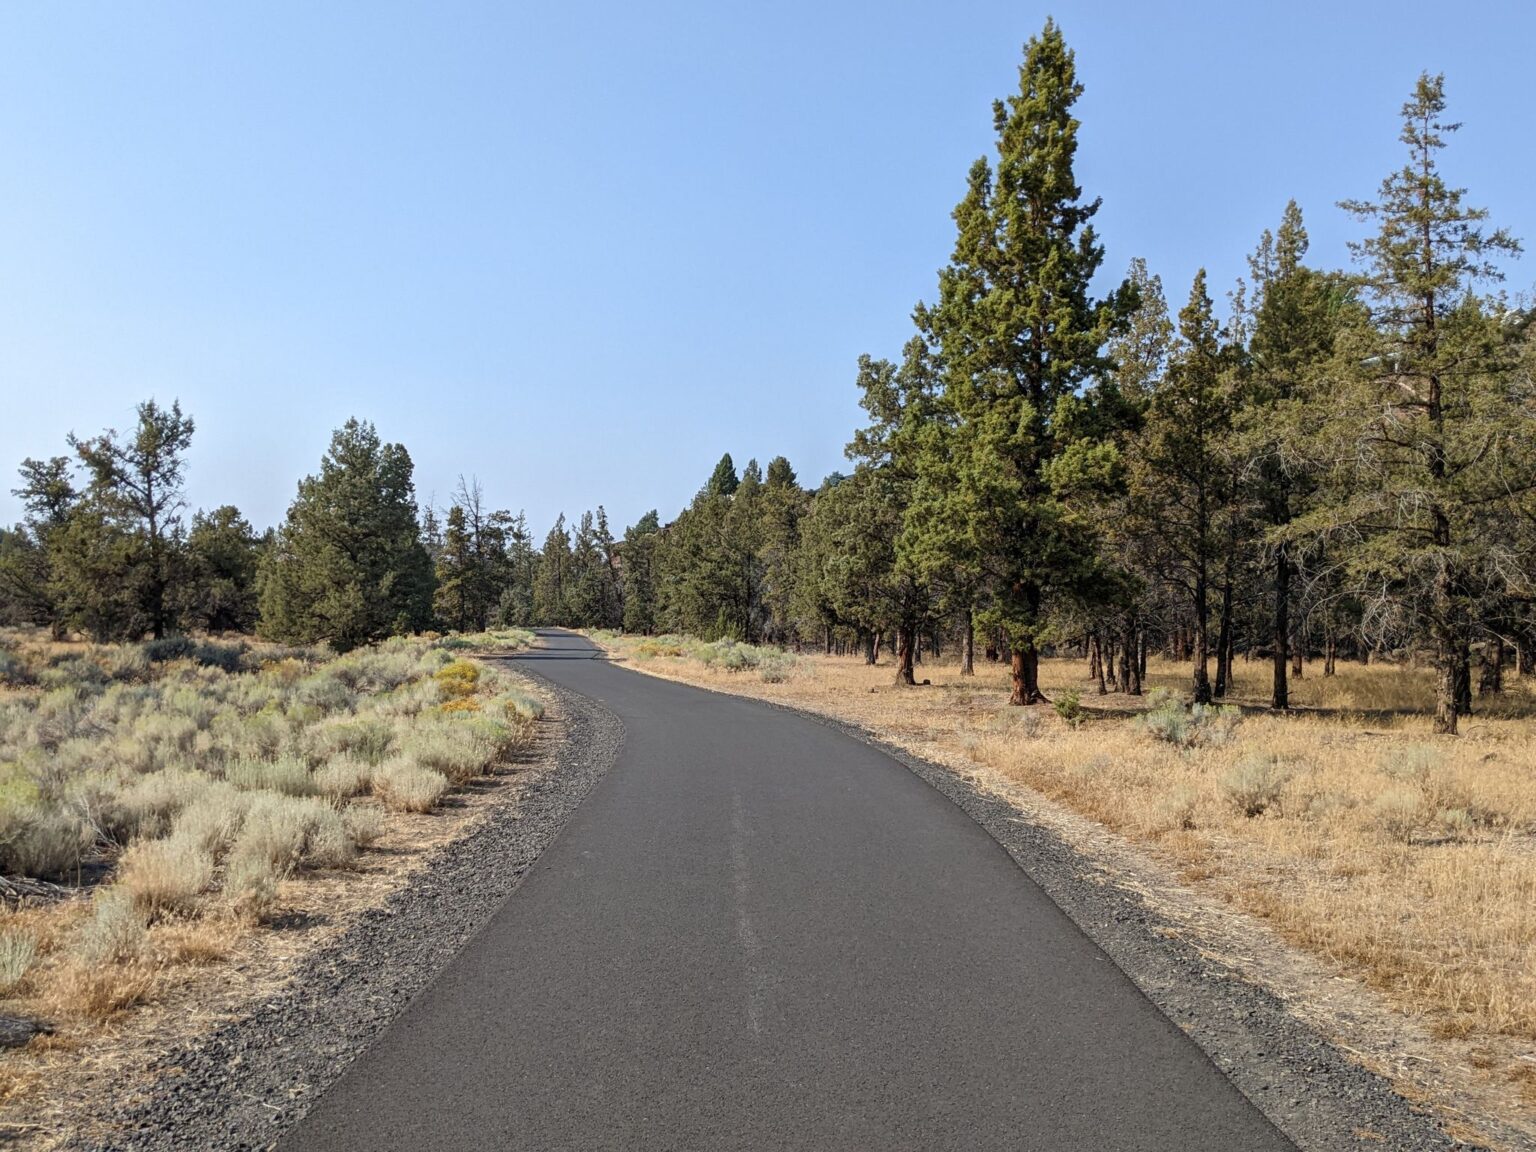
(1343, 467)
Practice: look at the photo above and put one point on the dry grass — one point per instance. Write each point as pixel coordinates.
(195, 785)
(1404, 859)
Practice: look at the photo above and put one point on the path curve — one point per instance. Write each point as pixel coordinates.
(758, 932)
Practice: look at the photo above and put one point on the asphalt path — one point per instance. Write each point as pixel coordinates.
(758, 932)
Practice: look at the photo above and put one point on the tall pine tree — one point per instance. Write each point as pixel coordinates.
(1017, 332)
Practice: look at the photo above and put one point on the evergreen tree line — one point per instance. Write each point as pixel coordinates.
(1341, 467)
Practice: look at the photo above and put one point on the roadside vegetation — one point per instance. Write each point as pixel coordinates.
(1401, 858)
(156, 798)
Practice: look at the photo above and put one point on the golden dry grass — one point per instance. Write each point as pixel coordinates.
(1404, 859)
(223, 838)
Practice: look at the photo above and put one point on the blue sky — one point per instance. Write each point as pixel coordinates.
(580, 250)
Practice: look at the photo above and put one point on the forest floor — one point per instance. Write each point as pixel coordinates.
(176, 972)
(1379, 879)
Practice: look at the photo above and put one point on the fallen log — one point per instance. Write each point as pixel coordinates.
(15, 889)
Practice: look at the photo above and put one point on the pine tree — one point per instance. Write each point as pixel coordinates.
(348, 565)
(639, 567)
(1180, 493)
(1298, 315)
(723, 480)
(552, 584)
(783, 506)
(1441, 430)
(455, 572)
(1017, 332)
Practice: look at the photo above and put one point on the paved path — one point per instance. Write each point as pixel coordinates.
(760, 933)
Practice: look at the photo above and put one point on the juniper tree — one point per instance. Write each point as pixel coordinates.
(1017, 332)
(27, 555)
(223, 557)
(723, 480)
(348, 565)
(889, 452)
(135, 487)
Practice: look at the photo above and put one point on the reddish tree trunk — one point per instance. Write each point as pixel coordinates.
(906, 636)
(1025, 674)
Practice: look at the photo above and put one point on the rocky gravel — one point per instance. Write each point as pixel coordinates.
(244, 1084)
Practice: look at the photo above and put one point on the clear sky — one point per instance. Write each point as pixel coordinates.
(581, 249)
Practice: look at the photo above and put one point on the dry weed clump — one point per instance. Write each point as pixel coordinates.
(200, 776)
(1405, 858)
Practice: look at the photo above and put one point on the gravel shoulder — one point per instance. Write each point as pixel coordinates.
(246, 1082)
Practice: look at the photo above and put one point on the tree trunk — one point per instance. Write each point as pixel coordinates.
(1491, 680)
(1110, 672)
(1024, 664)
(1095, 669)
(1280, 692)
(1463, 675)
(1447, 642)
(1130, 672)
(1098, 663)
(1141, 657)
(1224, 637)
(968, 646)
(1202, 647)
(906, 645)
(871, 647)
(1525, 656)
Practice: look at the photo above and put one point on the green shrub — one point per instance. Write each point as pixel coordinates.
(459, 749)
(324, 692)
(1069, 706)
(169, 648)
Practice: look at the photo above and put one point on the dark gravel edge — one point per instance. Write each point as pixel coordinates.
(1306, 1086)
(246, 1083)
